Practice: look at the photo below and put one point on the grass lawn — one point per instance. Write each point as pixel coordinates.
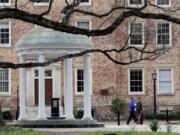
(18, 131)
(130, 133)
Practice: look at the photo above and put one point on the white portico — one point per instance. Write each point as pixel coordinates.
(40, 45)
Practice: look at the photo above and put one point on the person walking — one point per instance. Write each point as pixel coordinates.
(139, 110)
(132, 106)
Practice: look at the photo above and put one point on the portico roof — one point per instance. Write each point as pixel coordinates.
(43, 38)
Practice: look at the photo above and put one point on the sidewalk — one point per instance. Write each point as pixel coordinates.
(109, 127)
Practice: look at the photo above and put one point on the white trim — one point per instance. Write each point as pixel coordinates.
(164, 6)
(86, 3)
(83, 20)
(135, 5)
(41, 3)
(143, 83)
(170, 34)
(75, 83)
(172, 81)
(9, 85)
(6, 4)
(7, 45)
(129, 32)
(48, 68)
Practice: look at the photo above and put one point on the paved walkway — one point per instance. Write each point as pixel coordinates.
(107, 128)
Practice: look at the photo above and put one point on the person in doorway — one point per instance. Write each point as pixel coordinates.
(139, 110)
(132, 106)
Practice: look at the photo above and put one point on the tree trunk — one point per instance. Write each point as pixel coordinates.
(118, 118)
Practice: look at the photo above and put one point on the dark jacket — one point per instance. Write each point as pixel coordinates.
(139, 107)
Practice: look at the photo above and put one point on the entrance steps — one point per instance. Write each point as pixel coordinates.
(32, 112)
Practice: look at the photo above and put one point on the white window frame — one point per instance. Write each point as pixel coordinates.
(6, 4)
(90, 24)
(86, 3)
(41, 3)
(172, 81)
(170, 34)
(9, 85)
(135, 5)
(51, 77)
(164, 6)
(143, 83)
(129, 32)
(76, 92)
(7, 45)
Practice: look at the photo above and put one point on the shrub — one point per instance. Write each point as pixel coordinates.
(79, 113)
(7, 115)
(154, 125)
(172, 116)
(118, 106)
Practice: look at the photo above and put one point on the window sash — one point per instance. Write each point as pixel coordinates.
(163, 2)
(165, 80)
(4, 81)
(79, 81)
(136, 33)
(5, 33)
(163, 34)
(136, 80)
(83, 25)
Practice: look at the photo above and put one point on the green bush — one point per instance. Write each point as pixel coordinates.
(172, 116)
(7, 115)
(79, 113)
(154, 125)
(118, 106)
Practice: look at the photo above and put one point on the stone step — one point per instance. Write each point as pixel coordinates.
(32, 112)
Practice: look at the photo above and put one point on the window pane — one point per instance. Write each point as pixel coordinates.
(4, 33)
(165, 75)
(163, 33)
(4, 80)
(165, 83)
(137, 2)
(136, 80)
(136, 34)
(165, 86)
(83, 25)
(163, 2)
(86, 1)
(43, 1)
(80, 81)
(4, 1)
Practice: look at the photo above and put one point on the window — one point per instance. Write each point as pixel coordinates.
(165, 79)
(83, 25)
(4, 81)
(136, 34)
(163, 2)
(79, 81)
(5, 34)
(164, 34)
(136, 81)
(85, 2)
(5, 2)
(42, 2)
(48, 73)
(135, 3)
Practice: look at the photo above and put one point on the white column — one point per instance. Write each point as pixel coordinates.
(87, 87)
(68, 89)
(22, 88)
(42, 113)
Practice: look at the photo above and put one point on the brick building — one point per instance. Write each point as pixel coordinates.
(109, 80)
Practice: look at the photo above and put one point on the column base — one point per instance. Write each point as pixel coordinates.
(70, 117)
(87, 118)
(41, 117)
(22, 118)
